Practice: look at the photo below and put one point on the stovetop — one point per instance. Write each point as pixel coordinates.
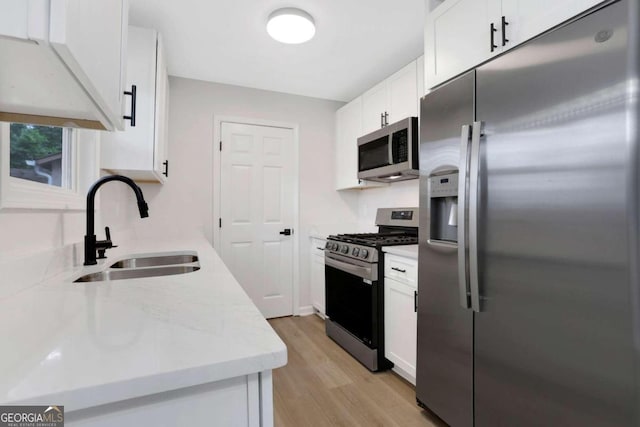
(365, 246)
(377, 239)
(396, 226)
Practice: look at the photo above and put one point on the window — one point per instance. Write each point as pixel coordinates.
(41, 154)
(45, 167)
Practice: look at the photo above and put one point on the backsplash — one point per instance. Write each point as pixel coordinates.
(396, 195)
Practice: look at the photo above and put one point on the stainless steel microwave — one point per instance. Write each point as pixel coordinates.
(390, 154)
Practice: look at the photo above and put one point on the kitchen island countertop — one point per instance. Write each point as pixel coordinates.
(88, 344)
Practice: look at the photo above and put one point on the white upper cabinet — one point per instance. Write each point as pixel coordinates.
(375, 103)
(420, 74)
(461, 34)
(63, 62)
(527, 18)
(140, 151)
(348, 130)
(457, 37)
(391, 100)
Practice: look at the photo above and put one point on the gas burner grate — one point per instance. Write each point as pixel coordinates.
(377, 239)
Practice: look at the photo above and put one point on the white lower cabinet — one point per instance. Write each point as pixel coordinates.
(401, 319)
(241, 401)
(316, 273)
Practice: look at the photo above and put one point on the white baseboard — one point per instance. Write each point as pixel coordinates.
(404, 374)
(307, 310)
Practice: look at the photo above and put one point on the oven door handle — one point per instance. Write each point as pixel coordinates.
(357, 270)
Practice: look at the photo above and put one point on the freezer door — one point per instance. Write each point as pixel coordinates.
(444, 371)
(553, 338)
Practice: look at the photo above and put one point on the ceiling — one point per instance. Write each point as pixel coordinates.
(357, 44)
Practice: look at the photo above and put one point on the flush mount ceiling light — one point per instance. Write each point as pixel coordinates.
(290, 25)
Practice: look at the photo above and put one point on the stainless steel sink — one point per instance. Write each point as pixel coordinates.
(120, 274)
(151, 261)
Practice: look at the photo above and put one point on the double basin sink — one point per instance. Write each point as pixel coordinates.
(149, 265)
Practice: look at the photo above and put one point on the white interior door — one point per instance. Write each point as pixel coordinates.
(256, 205)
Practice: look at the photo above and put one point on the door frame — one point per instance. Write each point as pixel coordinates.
(216, 182)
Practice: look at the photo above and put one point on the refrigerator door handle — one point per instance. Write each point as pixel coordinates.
(463, 280)
(474, 173)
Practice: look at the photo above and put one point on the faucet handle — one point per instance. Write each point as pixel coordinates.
(107, 233)
(103, 245)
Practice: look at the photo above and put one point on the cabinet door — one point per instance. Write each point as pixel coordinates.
(348, 129)
(375, 102)
(400, 327)
(403, 93)
(317, 284)
(528, 18)
(133, 149)
(420, 79)
(317, 275)
(91, 38)
(161, 146)
(458, 37)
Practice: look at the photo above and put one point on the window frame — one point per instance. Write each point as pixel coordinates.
(17, 193)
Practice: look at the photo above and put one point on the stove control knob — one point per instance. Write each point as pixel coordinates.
(328, 245)
(364, 253)
(334, 247)
(355, 251)
(344, 249)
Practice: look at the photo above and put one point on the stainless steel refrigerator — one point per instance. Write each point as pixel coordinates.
(528, 296)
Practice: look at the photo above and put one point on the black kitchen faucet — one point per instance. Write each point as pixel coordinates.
(90, 243)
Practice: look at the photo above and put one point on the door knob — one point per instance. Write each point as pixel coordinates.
(286, 232)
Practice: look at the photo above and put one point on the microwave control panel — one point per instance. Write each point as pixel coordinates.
(444, 185)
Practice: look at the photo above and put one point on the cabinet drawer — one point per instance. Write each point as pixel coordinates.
(404, 270)
(317, 246)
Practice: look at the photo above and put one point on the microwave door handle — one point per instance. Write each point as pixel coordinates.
(463, 278)
(474, 197)
(390, 148)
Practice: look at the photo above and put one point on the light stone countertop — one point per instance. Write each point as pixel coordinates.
(409, 251)
(87, 344)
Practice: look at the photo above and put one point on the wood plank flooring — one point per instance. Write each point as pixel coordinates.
(322, 385)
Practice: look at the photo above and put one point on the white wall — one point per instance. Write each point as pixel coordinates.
(186, 200)
(397, 195)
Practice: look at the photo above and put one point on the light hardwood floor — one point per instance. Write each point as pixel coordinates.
(322, 385)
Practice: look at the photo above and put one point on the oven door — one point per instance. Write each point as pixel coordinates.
(351, 289)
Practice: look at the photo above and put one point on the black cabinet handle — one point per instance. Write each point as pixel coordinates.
(399, 269)
(133, 94)
(381, 120)
(166, 168)
(415, 301)
(505, 40)
(492, 33)
(286, 232)
(386, 118)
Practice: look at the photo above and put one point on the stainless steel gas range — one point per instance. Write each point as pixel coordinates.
(354, 288)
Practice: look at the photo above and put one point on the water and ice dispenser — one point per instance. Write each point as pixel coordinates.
(444, 207)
